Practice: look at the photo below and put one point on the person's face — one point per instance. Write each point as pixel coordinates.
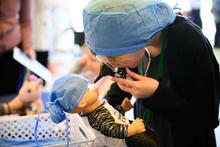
(130, 60)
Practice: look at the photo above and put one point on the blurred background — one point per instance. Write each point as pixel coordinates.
(58, 38)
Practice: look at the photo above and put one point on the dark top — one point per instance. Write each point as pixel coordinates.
(185, 105)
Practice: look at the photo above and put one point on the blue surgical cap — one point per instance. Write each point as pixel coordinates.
(116, 27)
(65, 95)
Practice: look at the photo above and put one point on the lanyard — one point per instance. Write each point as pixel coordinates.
(161, 61)
(147, 113)
(162, 56)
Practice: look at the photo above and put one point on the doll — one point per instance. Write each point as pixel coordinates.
(30, 93)
(27, 101)
(71, 93)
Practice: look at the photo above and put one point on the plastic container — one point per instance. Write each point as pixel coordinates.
(20, 131)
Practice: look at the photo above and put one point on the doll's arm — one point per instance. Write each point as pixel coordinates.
(109, 128)
(105, 124)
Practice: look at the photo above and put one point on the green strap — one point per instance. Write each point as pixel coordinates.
(162, 55)
(148, 115)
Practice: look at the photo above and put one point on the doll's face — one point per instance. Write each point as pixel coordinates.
(89, 98)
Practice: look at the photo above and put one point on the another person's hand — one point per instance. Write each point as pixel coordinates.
(136, 127)
(30, 53)
(126, 104)
(139, 87)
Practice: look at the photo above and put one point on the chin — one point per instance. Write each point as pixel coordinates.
(129, 66)
(133, 66)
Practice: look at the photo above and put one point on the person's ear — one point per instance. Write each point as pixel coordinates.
(82, 104)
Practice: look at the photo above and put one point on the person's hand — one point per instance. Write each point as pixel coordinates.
(139, 87)
(126, 104)
(30, 53)
(136, 127)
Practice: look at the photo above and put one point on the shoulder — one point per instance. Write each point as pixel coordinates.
(183, 28)
(186, 36)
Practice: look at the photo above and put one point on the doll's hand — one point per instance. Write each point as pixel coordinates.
(136, 127)
(139, 87)
(126, 104)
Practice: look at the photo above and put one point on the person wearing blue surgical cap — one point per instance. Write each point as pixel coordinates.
(173, 73)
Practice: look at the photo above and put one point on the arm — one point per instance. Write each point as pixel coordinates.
(102, 121)
(26, 29)
(192, 93)
(105, 123)
(115, 95)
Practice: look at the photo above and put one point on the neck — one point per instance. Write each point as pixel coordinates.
(154, 46)
(93, 106)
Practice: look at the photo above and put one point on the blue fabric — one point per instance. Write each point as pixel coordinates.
(28, 143)
(65, 95)
(115, 27)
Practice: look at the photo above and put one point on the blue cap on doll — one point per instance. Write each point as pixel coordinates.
(66, 93)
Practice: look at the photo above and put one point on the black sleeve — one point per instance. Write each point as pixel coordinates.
(166, 102)
(115, 95)
(192, 93)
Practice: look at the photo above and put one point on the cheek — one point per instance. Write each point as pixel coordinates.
(94, 95)
(129, 63)
(91, 96)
